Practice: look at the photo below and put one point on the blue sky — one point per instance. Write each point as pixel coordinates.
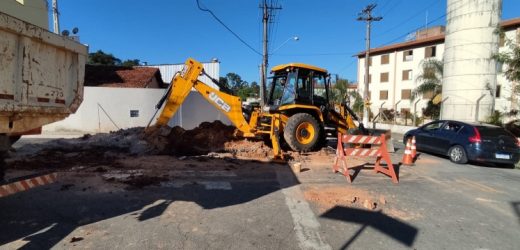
(169, 31)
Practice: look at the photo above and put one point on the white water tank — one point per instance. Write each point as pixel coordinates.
(469, 72)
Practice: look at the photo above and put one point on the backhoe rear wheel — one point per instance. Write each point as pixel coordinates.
(302, 132)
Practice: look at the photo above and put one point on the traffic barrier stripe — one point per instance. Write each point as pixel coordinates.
(361, 139)
(381, 153)
(26, 184)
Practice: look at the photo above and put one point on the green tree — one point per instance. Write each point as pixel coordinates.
(510, 58)
(430, 81)
(235, 82)
(339, 90)
(430, 78)
(101, 58)
(131, 63)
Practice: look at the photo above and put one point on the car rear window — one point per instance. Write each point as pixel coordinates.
(492, 131)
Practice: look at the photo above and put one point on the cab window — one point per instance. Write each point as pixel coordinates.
(288, 94)
(304, 85)
(320, 92)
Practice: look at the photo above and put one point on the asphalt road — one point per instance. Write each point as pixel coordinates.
(440, 205)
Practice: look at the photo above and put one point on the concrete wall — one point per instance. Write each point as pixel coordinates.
(469, 70)
(31, 11)
(107, 109)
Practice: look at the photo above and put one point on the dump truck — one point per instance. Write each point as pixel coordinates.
(42, 77)
(297, 112)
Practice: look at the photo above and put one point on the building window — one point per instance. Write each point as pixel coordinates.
(134, 113)
(407, 75)
(407, 55)
(406, 94)
(383, 95)
(384, 77)
(497, 92)
(385, 59)
(502, 39)
(430, 52)
(428, 95)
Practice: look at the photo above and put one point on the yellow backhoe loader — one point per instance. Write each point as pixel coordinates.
(297, 109)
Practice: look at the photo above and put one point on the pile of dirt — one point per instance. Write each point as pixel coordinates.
(328, 197)
(206, 138)
(248, 149)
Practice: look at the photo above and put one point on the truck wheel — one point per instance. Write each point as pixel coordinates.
(302, 132)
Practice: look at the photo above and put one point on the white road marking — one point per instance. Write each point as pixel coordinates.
(306, 226)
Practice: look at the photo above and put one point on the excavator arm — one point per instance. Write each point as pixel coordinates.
(181, 86)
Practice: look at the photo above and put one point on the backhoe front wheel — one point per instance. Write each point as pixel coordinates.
(302, 132)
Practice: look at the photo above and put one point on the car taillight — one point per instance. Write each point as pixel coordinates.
(476, 137)
(518, 141)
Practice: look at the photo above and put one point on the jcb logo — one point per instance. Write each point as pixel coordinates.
(223, 105)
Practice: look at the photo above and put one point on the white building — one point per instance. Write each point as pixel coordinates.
(394, 70)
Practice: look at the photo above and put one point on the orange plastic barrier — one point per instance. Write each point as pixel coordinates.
(26, 184)
(380, 152)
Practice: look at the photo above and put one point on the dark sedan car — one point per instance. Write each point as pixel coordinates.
(463, 142)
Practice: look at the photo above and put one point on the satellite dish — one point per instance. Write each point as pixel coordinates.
(65, 33)
(75, 30)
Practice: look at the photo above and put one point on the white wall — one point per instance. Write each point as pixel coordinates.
(107, 109)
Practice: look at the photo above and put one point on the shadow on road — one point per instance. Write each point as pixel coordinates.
(45, 216)
(396, 229)
(516, 208)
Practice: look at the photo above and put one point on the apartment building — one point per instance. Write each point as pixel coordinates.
(394, 70)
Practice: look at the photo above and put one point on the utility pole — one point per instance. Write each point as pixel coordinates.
(55, 15)
(366, 15)
(267, 13)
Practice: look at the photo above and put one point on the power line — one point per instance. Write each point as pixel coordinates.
(384, 5)
(430, 22)
(229, 29)
(318, 54)
(407, 33)
(433, 3)
(392, 7)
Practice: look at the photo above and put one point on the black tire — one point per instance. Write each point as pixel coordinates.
(457, 154)
(302, 132)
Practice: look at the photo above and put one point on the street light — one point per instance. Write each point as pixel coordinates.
(295, 38)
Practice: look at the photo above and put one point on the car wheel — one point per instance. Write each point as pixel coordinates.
(457, 154)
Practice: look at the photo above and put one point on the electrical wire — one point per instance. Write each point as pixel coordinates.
(433, 3)
(229, 29)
